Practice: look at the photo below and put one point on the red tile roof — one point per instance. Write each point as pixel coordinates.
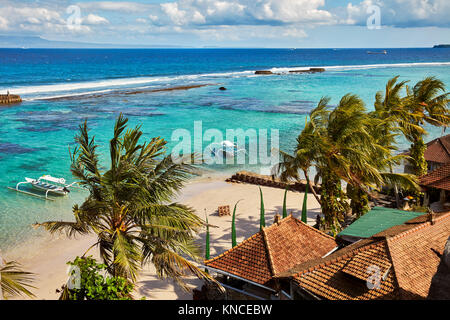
(439, 178)
(406, 262)
(273, 250)
(438, 150)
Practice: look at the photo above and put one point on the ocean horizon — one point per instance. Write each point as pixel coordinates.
(63, 87)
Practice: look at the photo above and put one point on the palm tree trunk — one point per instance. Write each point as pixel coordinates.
(418, 154)
(397, 197)
(311, 187)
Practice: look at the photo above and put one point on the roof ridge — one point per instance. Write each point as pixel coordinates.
(312, 228)
(282, 220)
(443, 145)
(235, 247)
(418, 227)
(269, 254)
(339, 257)
(394, 273)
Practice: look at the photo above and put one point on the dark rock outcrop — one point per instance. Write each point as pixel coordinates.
(222, 88)
(263, 72)
(311, 70)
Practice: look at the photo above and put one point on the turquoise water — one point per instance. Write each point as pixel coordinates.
(36, 135)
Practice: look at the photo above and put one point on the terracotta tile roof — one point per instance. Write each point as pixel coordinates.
(248, 260)
(414, 255)
(438, 150)
(274, 250)
(358, 265)
(406, 262)
(330, 281)
(439, 178)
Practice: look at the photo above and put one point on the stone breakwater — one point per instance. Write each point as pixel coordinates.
(310, 70)
(269, 181)
(9, 99)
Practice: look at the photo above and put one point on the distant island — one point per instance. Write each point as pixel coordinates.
(442, 46)
(26, 42)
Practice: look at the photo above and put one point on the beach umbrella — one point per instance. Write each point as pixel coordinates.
(304, 209)
(284, 203)
(262, 220)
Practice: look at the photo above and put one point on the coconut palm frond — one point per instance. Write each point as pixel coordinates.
(14, 281)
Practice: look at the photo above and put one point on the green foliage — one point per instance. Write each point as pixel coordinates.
(418, 162)
(262, 219)
(207, 249)
(349, 144)
(304, 207)
(233, 226)
(15, 282)
(93, 285)
(284, 203)
(359, 201)
(130, 208)
(334, 204)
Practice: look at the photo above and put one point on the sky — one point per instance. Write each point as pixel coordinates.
(233, 23)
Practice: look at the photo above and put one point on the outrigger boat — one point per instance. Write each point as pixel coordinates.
(46, 184)
(225, 149)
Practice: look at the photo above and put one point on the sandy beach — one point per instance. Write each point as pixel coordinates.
(48, 256)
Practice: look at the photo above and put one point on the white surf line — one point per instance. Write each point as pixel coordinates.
(363, 66)
(111, 84)
(83, 88)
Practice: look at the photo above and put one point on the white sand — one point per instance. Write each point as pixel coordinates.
(49, 255)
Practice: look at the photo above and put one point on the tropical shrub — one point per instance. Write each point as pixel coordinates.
(89, 281)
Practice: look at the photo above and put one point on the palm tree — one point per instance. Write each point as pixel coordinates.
(428, 103)
(14, 281)
(335, 143)
(129, 206)
(344, 144)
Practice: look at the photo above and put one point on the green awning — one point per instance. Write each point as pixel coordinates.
(376, 220)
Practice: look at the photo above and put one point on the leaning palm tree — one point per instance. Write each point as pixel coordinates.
(335, 142)
(14, 281)
(428, 103)
(391, 109)
(129, 206)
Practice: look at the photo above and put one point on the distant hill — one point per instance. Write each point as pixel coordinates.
(38, 42)
(442, 46)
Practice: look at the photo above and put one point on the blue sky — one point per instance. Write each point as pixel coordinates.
(233, 23)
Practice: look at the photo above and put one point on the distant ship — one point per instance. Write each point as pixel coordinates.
(377, 52)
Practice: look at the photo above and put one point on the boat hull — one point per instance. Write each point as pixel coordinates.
(50, 191)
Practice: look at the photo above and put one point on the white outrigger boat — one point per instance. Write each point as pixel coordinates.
(47, 185)
(225, 149)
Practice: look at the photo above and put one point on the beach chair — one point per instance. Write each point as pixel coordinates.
(224, 211)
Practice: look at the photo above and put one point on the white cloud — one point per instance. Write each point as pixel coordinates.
(141, 20)
(246, 12)
(93, 19)
(3, 23)
(119, 6)
(39, 20)
(402, 13)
